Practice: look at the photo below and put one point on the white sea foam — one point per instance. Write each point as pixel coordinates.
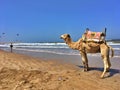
(112, 43)
(116, 48)
(41, 45)
(49, 51)
(46, 44)
(35, 44)
(56, 48)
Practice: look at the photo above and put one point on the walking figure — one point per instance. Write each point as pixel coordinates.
(11, 46)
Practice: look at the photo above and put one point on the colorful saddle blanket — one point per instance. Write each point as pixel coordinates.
(93, 36)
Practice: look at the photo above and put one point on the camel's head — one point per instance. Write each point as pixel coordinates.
(65, 36)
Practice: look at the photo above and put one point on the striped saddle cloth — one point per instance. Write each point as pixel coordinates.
(93, 36)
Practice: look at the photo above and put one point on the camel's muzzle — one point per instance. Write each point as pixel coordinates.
(61, 38)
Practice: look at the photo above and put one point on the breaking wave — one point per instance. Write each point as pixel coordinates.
(56, 48)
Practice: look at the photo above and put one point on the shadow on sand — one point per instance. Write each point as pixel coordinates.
(111, 71)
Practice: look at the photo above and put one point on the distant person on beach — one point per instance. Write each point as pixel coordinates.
(11, 46)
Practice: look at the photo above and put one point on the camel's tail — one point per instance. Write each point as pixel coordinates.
(112, 51)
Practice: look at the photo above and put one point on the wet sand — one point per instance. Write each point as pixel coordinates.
(23, 72)
(94, 61)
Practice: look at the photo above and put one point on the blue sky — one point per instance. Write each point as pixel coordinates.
(46, 20)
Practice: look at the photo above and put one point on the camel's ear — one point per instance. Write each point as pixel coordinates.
(68, 35)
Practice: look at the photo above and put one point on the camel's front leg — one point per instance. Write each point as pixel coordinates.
(84, 61)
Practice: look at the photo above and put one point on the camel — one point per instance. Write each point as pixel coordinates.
(90, 47)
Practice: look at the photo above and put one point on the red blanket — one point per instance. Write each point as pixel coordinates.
(93, 35)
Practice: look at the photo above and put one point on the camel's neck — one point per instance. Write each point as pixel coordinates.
(68, 41)
(71, 44)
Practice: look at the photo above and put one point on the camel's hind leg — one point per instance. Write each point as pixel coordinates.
(84, 61)
(105, 56)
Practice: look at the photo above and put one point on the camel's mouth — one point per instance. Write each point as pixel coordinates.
(61, 37)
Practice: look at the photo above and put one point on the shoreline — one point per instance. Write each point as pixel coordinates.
(93, 61)
(20, 71)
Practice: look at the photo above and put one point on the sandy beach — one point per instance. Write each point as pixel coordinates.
(23, 72)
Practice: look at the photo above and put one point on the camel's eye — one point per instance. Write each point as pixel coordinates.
(68, 35)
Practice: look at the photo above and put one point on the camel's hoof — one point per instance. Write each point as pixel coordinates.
(101, 77)
(85, 70)
(88, 69)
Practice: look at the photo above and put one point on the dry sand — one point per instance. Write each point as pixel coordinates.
(20, 72)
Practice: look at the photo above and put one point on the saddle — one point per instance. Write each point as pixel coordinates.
(90, 36)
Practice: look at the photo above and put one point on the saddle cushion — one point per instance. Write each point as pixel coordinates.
(93, 36)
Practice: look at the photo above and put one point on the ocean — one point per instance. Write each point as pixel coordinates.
(53, 48)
